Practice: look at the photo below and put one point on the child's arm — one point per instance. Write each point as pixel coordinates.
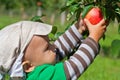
(71, 69)
(86, 53)
(71, 39)
(82, 58)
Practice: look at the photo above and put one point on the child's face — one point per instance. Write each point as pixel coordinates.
(40, 51)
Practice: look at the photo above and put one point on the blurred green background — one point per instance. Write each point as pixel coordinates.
(106, 65)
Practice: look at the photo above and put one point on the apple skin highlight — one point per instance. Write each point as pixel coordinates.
(94, 15)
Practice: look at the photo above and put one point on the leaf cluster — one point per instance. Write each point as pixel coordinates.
(110, 8)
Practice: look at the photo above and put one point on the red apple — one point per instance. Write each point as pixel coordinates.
(94, 15)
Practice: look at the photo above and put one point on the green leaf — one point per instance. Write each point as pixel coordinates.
(54, 29)
(78, 12)
(86, 10)
(37, 19)
(51, 37)
(65, 8)
(58, 34)
(104, 12)
(115, 48)
(119, 29)
(69, 2)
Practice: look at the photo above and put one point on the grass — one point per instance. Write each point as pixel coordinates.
(6, 20)
(111, 34)
(103, 68)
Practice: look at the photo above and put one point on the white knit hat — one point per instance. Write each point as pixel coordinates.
(13, 41)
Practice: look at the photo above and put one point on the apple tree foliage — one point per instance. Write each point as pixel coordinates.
(110, 10)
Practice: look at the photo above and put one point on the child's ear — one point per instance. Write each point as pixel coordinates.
(27, 66)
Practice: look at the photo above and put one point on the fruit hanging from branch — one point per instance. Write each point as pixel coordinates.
(107, 9)
(93, 14)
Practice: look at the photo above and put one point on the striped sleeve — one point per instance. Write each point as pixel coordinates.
(82, 58)
(68, 41)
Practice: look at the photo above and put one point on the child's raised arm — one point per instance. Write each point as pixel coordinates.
(71, 39)
(86, 53)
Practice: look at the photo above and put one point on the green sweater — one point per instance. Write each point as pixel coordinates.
(47, 72)
(72, 68)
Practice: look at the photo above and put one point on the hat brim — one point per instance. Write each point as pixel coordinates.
(43, 29)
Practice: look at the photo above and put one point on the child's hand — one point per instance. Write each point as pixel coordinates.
(81, 25)
(96, 31)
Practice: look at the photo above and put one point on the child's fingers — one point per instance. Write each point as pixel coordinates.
(87, 22)
(104, 28)
(102, 22)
